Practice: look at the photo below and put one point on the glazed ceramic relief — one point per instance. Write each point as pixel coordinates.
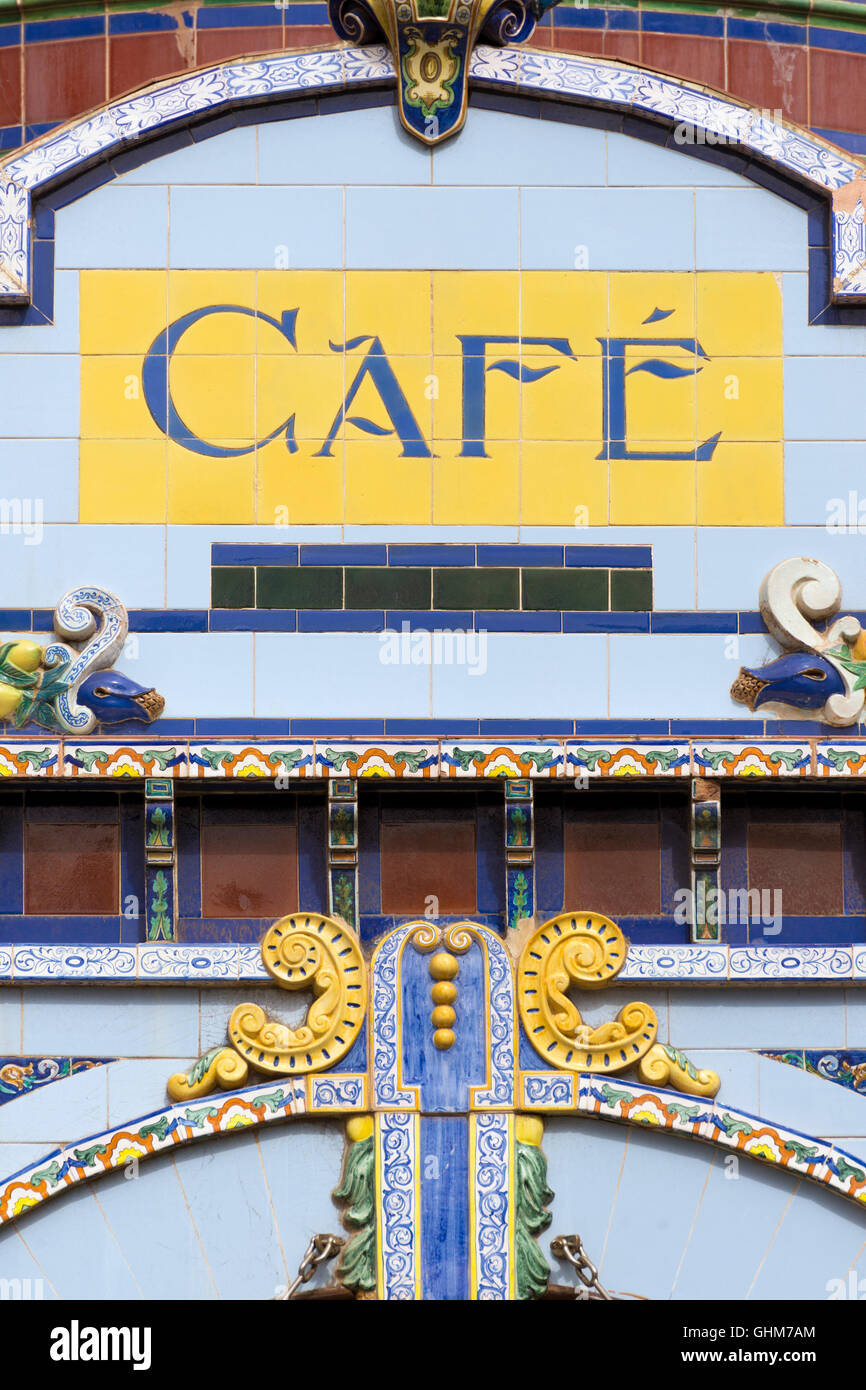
(432, 672)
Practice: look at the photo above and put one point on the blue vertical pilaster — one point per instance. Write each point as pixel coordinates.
(343, 850)
(159, 854)
(519, 850)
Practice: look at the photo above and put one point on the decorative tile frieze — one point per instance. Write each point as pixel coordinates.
(670, 964)
(835, 759)
(790, 962)
(403, 760)
(471, 758)
(212, 963)
(30, 760)
(235, 760)
(662, 759)
(21, 1075)
(97, 759)
(547, 1090)
(61, 963)
(758, 759)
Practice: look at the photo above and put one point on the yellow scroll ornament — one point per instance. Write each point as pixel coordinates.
(586, 949)
(579, 948)
(302, 951)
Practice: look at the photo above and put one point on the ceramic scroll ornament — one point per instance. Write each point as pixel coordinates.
(432, 42)
(586, 950)
(70, 685)
(303, 951)
(822, 669)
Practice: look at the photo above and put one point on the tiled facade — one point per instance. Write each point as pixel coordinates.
(405, 603)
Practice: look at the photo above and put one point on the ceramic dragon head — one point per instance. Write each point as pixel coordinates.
(70, 685)
(432, 42)
(822, 669)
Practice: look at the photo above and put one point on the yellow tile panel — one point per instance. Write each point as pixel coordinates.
(122, 480)
(563, 485)
(742, 485)
(476, 491)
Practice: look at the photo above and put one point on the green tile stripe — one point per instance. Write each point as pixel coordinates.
(420, 588)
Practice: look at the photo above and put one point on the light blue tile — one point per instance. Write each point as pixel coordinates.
(62, 335)
(78, 1250)
(761, 1018)
(738, 1072)
(137, 1087)
(349, 147)
(824, 398)
(679, 676)
(748, 229)
(202, 675)
(309, 677)
(799, 336)
(47, 470)
(855, 1014)
(574, 1149)
(188, 554)
(10, 1023)
(224, 1185)
(115, 228)
(826, 1226)
(17, 1262)
(854, 1144)
(641, 163)
(128, 560)
(524, 676)
(226, 158)
(607, 229)
(510, 150)
(801, 1101)
(110, 1022)
(268, 228)
(818, 479)
(432, 228)
(155, 1231)
(654, 1164)
(441, 534)
(744, 1197)
(39, 395)
(732, 561)
(59, 1113)
(14, 1157)
(303, 1164)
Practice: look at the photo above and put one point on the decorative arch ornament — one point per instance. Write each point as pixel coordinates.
(821, 669)
(779, 148)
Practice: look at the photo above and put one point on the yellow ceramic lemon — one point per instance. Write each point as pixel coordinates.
(9, 699)
(26, 655)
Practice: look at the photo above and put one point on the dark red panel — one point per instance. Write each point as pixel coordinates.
(773, 77)
(136, 59)
(801, 860)
(579, 40)
(71, 868)
(622, 43)
(837, 84)
(63, 79)
(308, 35)
(10, 86)
(613, 865)
(249, 870)
(696, 59)
(216, 45)
(428, 858)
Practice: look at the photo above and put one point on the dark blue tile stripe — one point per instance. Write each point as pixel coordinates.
(375, 620)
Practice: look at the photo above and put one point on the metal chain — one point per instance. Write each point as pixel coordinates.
(570, 1248)
(320, 1248)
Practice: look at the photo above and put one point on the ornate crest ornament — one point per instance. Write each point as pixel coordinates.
(587, 950)
(432, 41)
(822, 669)
(302, 951)
(70, 685)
